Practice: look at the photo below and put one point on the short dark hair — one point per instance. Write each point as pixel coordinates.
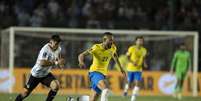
(139, 37)
(56, 38)
(181, 44)
(108, 33)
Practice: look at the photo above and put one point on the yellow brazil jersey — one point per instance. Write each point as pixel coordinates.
(101, 58)
(137, 56)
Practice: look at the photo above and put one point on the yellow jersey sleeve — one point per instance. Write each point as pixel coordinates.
(92, 49)
(130, 49)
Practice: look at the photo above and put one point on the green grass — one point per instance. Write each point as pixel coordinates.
(40, 97)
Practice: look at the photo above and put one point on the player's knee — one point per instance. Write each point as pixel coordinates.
(93, 97)
(55, 85)
(25, 92)
(137, 83)
(102, 85)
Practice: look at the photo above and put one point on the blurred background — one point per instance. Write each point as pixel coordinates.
(178, 15)
(146, 15)
(108, 14)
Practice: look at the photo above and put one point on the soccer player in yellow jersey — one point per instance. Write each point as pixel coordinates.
(102, 54)
(136, 56)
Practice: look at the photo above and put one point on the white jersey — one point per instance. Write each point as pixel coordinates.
(46, 53)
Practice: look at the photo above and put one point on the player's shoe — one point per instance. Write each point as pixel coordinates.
(70, 99)
(125, 94)
(133, 97)
(179, 96)
(174, 95)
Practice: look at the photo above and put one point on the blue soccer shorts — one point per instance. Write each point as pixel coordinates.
(134, 76)
(94, 78)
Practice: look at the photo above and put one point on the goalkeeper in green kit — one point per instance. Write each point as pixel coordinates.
(181, 63)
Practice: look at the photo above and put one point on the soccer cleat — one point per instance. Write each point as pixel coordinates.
(125, 94)
(179, 96)
(174, 95)
(133, 97)
(70, 99)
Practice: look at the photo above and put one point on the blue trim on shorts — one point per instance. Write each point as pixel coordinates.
(132, 76)
(94, 78)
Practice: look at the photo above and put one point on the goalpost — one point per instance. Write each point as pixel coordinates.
(9, 38)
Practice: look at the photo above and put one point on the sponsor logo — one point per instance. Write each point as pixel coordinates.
(167, 83)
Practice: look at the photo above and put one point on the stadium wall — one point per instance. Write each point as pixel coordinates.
(75, 81)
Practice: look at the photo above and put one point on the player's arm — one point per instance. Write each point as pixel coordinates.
(44, 59)
(46, 63)
(174, 60)
(61, 60)
(189, 65)
(115, 57)
(145, 61)
(81, 58)
(85, 53)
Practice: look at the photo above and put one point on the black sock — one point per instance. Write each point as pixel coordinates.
(19, 98)
(51, 95)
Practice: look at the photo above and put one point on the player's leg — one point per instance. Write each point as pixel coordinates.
(31, 84)
(178, 88)
(51, 82)
(180, 85)
(105, 91)
(94, 95)
(99, 85)
(126, 89)
(178, 76)
(95, 77)
(130, 79)
(182, 80)
(136, 88)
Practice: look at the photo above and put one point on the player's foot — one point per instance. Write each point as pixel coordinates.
(179, 96)
(125, 94)
(70, 98)
(133, 98)
(174, 95)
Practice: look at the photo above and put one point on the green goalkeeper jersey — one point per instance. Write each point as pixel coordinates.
(181, 61)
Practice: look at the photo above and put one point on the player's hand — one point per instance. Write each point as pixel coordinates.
(171, 72)
(82, 65)
(124, 73)
(145, 65)
(189, 73)
(61, 61)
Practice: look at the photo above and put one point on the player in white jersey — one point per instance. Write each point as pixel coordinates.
(49, 56)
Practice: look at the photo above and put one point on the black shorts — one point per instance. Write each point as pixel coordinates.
(33, 81)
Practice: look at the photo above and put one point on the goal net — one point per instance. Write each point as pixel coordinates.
(20, 47)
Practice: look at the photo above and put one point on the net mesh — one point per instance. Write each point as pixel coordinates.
(27, 45)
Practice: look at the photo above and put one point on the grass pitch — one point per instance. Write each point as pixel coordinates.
(42, 97)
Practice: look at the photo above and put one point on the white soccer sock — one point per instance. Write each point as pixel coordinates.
(104, 94)
(134, 93)
(126, 87)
